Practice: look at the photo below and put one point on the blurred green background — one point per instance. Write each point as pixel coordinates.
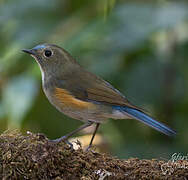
(140, 47)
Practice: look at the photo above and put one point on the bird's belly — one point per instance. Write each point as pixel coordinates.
(81, 110)
(75, 108)
(81, 114)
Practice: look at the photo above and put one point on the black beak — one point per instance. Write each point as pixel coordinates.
(29, 51)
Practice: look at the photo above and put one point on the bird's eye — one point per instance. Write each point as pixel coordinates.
(47, 53)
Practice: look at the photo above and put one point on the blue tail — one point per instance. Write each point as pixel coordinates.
(136, 114)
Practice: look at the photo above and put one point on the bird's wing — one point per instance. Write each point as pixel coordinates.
(88, 87)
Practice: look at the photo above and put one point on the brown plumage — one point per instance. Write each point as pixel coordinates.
(81, 94)
(67, 100)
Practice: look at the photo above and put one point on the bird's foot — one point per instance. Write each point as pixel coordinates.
(90, 148)
(64, 139)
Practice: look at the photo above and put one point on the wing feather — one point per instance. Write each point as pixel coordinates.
(88, 87)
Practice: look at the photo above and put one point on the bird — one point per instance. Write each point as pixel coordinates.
(83, 95)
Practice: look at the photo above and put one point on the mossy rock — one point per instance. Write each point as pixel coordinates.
(35, 157)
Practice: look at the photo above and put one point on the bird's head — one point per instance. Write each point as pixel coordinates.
(51, 58)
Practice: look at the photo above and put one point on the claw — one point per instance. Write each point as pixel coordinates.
(64, 138)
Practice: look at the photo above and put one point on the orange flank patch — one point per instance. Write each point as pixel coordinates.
(67, 100)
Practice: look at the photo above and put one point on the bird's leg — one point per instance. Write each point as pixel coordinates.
(94, 133)
(64, 138)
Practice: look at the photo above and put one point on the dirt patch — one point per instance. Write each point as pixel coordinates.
(34, 157)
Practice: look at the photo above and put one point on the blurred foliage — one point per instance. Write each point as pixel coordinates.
(141, 47)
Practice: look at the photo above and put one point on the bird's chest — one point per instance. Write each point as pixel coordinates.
(65, 102)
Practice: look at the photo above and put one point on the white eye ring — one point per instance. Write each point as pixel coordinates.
(48, 53)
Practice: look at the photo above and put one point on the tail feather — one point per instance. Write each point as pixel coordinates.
(140, 116)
